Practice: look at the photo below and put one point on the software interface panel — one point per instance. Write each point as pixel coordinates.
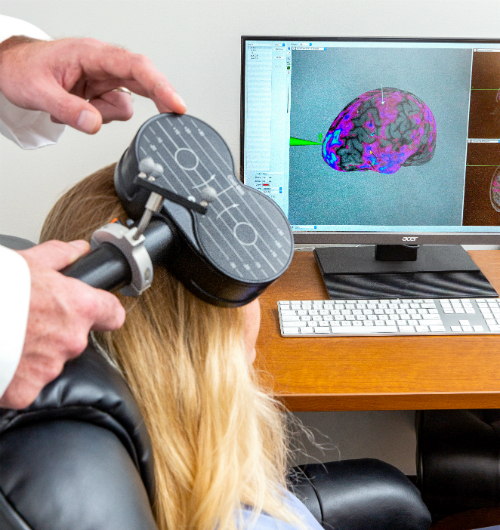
(374, 136)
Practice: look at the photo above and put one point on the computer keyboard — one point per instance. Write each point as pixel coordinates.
(457, 316)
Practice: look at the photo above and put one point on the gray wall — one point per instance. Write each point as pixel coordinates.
(196, 43)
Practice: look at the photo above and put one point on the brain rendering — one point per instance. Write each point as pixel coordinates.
(381, 130)
(495, 190)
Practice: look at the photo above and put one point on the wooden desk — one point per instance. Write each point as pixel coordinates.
(375, 373)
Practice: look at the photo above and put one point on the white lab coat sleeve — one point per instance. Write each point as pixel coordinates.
(14, 306)
(27, 128)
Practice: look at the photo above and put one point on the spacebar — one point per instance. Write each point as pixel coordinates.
(354, 330)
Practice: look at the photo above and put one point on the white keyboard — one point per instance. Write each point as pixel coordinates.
(457, 316)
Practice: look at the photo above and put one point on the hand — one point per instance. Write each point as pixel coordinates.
(61, 314)
(73, 80)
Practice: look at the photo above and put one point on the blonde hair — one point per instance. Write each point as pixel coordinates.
(218, 439)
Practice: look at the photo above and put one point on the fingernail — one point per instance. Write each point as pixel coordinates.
(80, 244)
(180, 101)
(86, 121)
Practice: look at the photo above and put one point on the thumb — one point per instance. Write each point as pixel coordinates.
(55, 254)
(72, 110)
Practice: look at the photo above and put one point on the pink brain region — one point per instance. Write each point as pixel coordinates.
(381, 130)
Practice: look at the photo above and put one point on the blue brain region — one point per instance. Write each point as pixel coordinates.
(381, 130)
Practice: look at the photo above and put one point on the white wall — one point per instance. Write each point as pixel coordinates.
(196, 43)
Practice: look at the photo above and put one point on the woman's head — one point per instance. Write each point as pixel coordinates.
(217, 438)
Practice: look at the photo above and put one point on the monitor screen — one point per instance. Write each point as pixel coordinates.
(375, 140)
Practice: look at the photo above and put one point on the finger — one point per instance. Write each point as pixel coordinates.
(114, 106)
(70, 109)
(157, 88)
(55, 254)
(135, 72)
(109, 313)
(163, 94)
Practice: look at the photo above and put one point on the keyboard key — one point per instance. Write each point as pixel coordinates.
(429, 322)
(363, 329)
(294, 324)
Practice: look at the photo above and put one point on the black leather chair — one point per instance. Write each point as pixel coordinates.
(15, 243)
(458, 460)
(79, 458)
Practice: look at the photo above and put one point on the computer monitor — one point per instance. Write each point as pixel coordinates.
(378, 141)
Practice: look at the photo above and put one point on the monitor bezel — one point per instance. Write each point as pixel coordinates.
(359, 237)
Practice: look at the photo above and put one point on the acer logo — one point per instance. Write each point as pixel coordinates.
(410, 238)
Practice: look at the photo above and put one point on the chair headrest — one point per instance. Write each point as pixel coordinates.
(91, 390)
(15, 243)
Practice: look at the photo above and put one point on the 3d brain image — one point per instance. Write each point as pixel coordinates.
(381, 130)
(495, 190)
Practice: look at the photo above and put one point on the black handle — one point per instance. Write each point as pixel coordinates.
(107, 268)
(104, 267)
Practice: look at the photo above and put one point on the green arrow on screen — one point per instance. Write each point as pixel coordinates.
(298, 141)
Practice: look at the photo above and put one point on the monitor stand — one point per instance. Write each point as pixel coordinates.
(401, 271)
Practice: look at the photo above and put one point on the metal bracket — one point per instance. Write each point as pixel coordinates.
(133, 249)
